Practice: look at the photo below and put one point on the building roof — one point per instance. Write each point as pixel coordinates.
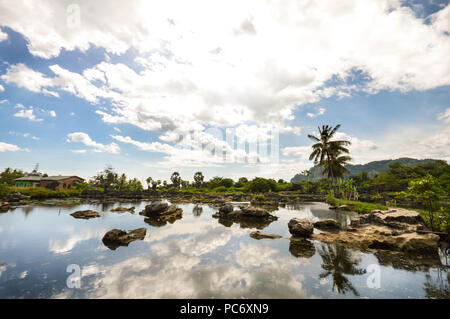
(58, 178)
(34, 178)
(31, 178)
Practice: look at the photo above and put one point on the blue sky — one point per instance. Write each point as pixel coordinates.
(152, 91)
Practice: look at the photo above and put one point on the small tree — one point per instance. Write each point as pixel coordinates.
(108, 179)
(428, 190)
(176, 179)
(198, 179)
(149, 180)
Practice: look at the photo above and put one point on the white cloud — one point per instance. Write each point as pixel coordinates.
(26, 135)
(5, 147)
(2, 89)
(78, 151)
(3, 36)
(52, 113)
(28, 114)
(80, 137)
(320, 111)
(237, 64)
(297, 151)
(445, 115)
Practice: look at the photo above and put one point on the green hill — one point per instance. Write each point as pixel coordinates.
(371, 168)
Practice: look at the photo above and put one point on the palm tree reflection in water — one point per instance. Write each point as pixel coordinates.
(337, 262)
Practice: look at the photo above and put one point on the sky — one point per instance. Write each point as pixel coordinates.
(229, 88)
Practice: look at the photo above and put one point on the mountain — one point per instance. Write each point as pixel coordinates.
(371, 168)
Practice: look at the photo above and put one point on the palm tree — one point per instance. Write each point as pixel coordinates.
(148, 180)
(326, 153)
(198, 178)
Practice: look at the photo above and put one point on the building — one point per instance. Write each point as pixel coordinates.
(60, 182)
(32, 180)
(36, 179)
(28, 181)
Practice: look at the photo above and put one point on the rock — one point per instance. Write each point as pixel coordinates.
(225, 209)
(300, 247)
(156, 208)
(4, 206)
(245, 222)
(378, 237)
(333, 207)
(162, 212)
(327, 224)
(345, 208)
(116, 237)
(258, 235)
(255, 212)
(248, 212)
(85, 214)
(123, 209)
(300, 227)
(15, 197)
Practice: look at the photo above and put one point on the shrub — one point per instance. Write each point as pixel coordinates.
(4, 190)
(259, 198)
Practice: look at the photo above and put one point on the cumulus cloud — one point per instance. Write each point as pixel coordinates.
(80, 137)
(320, 111)
(247, 79)
(5, 147)
(28, 114)
(52, 113)
(3, 36)
(2, 89)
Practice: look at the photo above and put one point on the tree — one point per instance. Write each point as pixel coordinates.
(198, 179)
(9, 175)
(427, 189)
(134, 185)
(107, 178)
(176, 179)
(148, 180)
(260, 185)
(326, 153)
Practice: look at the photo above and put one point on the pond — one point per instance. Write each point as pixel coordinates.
(195, 257)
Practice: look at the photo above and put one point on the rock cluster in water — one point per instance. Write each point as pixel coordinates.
(394, 229)
(85, 214)
(162, 212)
(227, 211)
(116, 237)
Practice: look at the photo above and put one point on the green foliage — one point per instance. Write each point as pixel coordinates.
(262, 185)
(428, 190)
(43, 193)
(259, 198)
(175, 179)
(9, 175)
(4, 189)
(198, 179)
(360, 207)
(109, 180)
(217, 181)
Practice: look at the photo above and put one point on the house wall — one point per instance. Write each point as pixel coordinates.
(63, 183)
(23, 183)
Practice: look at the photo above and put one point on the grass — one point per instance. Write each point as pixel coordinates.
(360, 207)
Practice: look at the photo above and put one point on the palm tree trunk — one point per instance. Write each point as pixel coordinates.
(332, 175)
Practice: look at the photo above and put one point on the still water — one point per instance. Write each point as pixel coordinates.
(195, 257)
